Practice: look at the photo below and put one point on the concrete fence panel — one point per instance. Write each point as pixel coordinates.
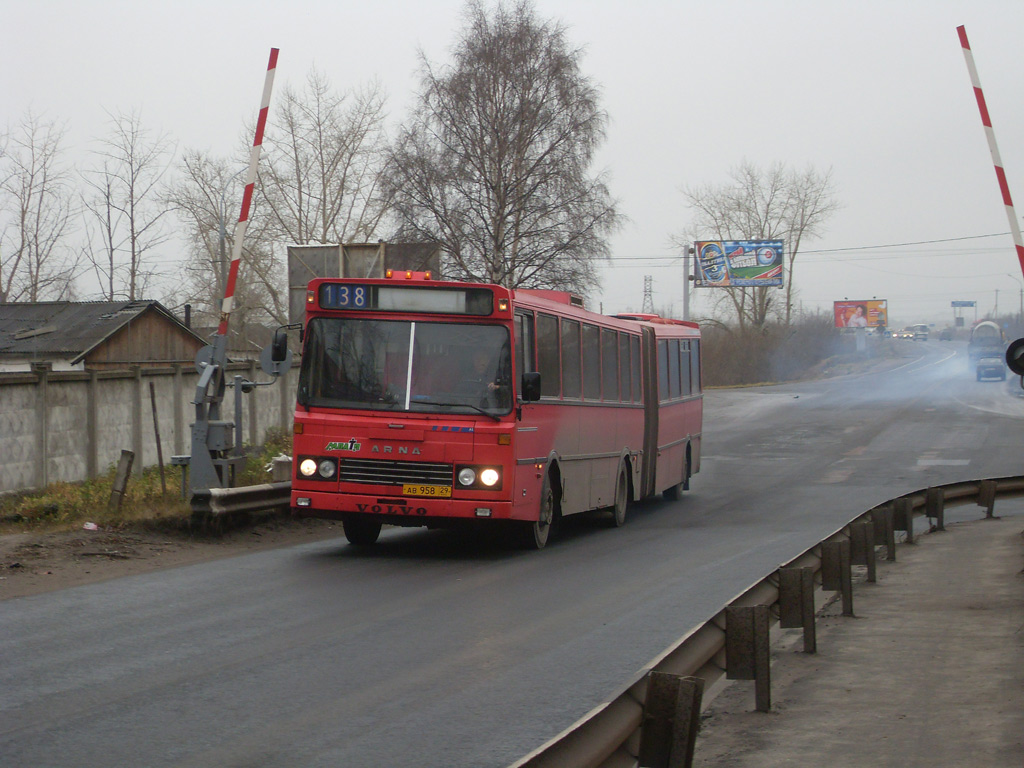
(71, 426)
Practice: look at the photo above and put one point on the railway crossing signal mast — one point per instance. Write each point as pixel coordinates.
(215, 456)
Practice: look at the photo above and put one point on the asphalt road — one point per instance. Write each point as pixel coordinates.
(438, 649)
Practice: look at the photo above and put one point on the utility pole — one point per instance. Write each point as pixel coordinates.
(687, 253)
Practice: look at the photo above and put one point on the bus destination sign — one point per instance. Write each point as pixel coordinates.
(390, 298)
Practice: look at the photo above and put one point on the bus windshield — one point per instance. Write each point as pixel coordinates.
(400, 365)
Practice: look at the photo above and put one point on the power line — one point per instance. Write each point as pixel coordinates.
(818, 252)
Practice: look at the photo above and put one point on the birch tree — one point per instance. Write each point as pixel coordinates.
(37, 209)
(122, 199)
(494, 161)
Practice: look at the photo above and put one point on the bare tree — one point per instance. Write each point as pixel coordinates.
(122, 200)
(36, 210)
(494, 161)
(325, 151)
(203, 199)
(773, 204)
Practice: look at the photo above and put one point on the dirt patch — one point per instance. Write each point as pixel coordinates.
(33, 563)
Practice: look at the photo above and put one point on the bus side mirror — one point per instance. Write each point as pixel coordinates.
(276, 358)
(530, 389)
(279, 347)
(1015, 356)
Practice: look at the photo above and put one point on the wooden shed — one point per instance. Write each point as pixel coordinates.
(93, 335)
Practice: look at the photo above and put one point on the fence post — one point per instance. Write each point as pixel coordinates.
(903, 517)
(987, 496)
(92, 437)
(137, 417)
(671, 720)
(42, 372)
(124, 470)
(836, 575)
(796, 603)
(179, 419)
(862, 547)
(885, 535)
(746, 650)
(935, 505)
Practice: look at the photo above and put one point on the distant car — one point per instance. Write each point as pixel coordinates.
(903, 333)
(991, 367)
(946, 334)
(919, 332)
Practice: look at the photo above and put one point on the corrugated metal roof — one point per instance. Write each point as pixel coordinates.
(64, 328)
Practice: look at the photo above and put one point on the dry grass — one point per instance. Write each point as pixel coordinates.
(66, 506)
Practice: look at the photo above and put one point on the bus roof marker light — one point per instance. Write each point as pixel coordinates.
(310, 297)
(389, 274)
(503, 305)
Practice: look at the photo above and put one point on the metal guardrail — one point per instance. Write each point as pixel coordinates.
(652, 722)
(250, 498)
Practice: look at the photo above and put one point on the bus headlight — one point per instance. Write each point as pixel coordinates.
(318, 467)
(475, 477)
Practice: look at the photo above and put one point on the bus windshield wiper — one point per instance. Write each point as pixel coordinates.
(456, 405)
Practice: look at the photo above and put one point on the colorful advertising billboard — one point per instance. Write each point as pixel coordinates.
(866, 313)
(738, 263)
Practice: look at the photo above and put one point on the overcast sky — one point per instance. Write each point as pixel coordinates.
(878, 92)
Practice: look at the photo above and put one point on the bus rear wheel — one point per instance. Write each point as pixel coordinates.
(537, 533)
(676, 491)
(361, 531)
(621, 499)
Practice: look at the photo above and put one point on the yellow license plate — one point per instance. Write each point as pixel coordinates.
(435, 491)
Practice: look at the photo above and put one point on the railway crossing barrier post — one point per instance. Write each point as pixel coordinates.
(671, 720)
(747, 650)
(796, 603)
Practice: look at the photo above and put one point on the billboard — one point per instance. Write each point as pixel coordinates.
(738, 263)
(866, 313)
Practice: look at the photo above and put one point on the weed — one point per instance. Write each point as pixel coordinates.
(147, 501)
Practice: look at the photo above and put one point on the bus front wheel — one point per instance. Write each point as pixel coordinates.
(537, 533)
(361, 531)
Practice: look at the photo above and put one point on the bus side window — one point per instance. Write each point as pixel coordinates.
(591, 362)
(663, 388)
(673, 369)
(570, 358)
(524, 344)
(695, 373)
(684, 367)
(624, 367)
(609, 365)
(634, 372)
(547, 356)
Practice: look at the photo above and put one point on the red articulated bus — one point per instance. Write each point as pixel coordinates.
(427, 403)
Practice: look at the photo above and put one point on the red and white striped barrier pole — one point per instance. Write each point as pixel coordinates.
(990, 134)
(250, 182)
